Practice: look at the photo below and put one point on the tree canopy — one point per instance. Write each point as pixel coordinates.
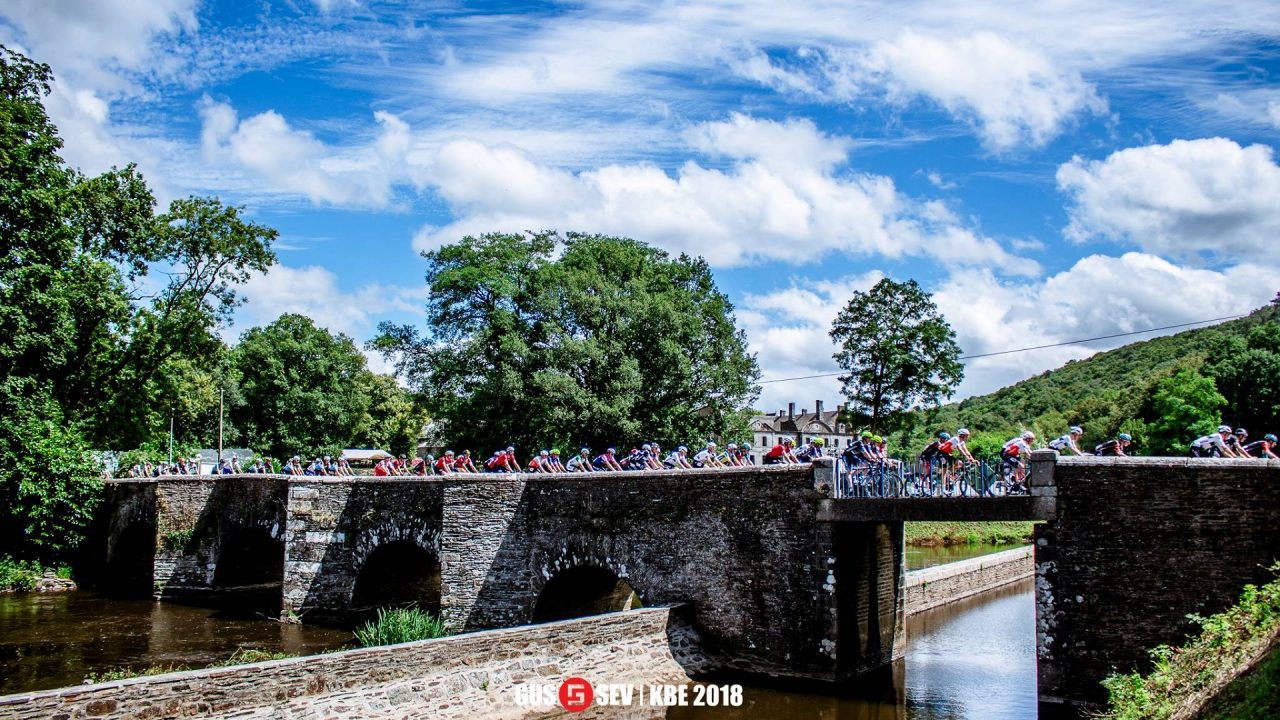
(897, 351)
(108, 312)
(538, 338)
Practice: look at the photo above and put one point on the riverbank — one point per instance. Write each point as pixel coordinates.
(938, 534)
(1232, 669)
(944, 584)
(30, 576)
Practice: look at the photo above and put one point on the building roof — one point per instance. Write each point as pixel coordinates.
(825, 422)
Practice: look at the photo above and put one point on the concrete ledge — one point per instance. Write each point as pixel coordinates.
(464, 676)
(942, 584)
(803, 470)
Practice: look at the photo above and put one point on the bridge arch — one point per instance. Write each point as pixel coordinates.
(249, 570)
(130, 562)
(583, 590)
(400, 573)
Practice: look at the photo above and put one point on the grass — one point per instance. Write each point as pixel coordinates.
(1207, 665)
(22, 575)
(400, 625)
(934, 534)
(242, 656)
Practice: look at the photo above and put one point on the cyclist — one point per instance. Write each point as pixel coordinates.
(960, 444)
(538, 463)
(462, 463)
(729, 458)
(445, 464)
(938, 453)
(1014, 456)
(503, 461)
(654, 460)
(580, 462)
(555, 465)
(1263, 448)
(811, 450)
(744, 455)
(1116, 447)
(1236, 440)
(1213, 445)
(678, 459)
(706, 457)
(606, 460)
(1069, 441)
(780, 454)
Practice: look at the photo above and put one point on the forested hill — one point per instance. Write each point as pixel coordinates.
(1159, 390)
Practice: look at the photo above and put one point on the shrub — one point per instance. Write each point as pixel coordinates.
(18, 574)
(400, 625)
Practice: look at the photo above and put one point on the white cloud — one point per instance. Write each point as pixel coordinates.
(1013, 94)
(315, 292)
(1187, 197)
(787, 329)
(1099, 295)
(782, 198)
(293, 161)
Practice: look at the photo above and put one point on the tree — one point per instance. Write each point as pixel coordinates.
(897, 350)
(1246, 371)
(95, 351)
(1185, 406)
(538, 339)
(302, 388)
(393, 419)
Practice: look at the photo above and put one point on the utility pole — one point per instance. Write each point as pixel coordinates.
(220, 393)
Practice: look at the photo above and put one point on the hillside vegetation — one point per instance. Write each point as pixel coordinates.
(1163, 391)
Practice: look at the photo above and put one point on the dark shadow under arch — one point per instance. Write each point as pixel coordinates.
(581, 591)
(401, 573)
(249, 571)
(129, 572)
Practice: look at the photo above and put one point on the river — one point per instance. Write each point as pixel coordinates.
(971, 659)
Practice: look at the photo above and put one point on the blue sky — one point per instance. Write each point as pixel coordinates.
(1080, 169)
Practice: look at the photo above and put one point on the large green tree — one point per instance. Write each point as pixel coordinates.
(108, 311)
(897, 351)
(301, 388)
(537, 338)
(1184, 406)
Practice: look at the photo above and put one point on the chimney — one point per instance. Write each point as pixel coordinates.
(791, 410)
(817, 408)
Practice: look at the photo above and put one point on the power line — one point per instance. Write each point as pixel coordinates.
(1036, 347)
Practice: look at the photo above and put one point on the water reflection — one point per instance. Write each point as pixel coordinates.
(56, 639)
(974, 659)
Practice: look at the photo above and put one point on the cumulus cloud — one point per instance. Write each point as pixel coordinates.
(293, 161)
(1014, 95)
(1098, 295)
(787, 330)
(781, 198)
(1189, 196)
(315, 291)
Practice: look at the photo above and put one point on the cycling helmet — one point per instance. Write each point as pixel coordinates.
(611, 450)
(944, 436)
(1125, 437)
(1269, 437)
(682, 449)
(1075, 430)
(1224, 428)
(1028, 435)
(1242, 432)
(866, 434)
(962, 432)
(711, 444)
(448, 452)
(511, 448)
(877, 439)
(555, 451)
(819, 442)
(733, 446)
(788, 441)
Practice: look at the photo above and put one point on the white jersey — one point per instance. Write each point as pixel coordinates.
(1208, 441)
(1066, 442)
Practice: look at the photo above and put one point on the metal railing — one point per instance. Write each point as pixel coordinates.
(930, 479)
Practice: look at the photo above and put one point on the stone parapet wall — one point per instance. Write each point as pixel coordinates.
(943, 584)
(465, 676)
(1136, 546)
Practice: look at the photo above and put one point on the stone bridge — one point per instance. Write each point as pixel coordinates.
(783, 579)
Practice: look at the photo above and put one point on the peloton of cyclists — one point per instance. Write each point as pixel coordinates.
(1213, 445)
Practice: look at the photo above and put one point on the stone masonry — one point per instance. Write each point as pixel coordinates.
(1136, 545)
(461, 677)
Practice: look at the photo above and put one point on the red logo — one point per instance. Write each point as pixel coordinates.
(576, 694)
